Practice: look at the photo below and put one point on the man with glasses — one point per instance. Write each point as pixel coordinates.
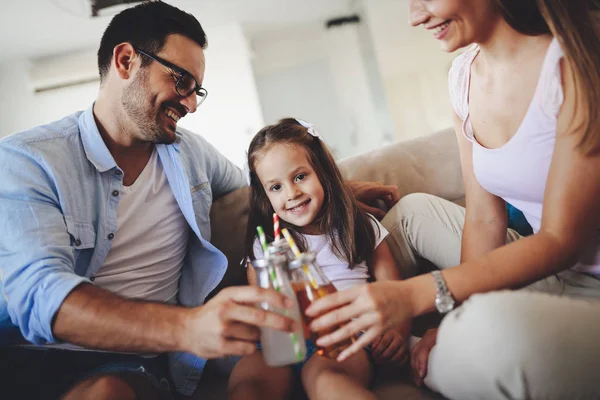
(105, 231)
(105, 251)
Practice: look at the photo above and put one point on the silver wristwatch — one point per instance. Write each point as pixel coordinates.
(444, 302)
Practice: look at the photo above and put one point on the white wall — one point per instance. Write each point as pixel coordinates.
(21, 108)
(413, 68)
(228, 118)
(322, 76)
(231, 114)
(389, 79)
(304, 91)
(400, 87)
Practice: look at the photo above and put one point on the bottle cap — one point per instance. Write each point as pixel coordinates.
(302, 259)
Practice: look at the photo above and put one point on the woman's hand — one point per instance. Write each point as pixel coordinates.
(419, 356)
(371, 308)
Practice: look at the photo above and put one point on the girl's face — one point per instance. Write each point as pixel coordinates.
(291, 184)
(455, 23)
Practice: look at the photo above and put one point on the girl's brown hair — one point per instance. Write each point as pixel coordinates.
(576, 25)
(350, 231)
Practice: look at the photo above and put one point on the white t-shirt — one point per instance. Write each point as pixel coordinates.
(150, 242)
(336, 270)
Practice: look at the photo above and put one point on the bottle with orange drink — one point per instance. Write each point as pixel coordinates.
(310, 283)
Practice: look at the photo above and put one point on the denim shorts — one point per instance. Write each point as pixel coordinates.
(37, 373)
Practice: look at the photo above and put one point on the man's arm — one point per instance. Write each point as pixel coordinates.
(36, 268)
(226, 325)
(98, 319)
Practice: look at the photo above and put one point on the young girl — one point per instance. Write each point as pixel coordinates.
(293, 174)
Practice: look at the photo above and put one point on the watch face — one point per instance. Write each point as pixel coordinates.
(444, 304)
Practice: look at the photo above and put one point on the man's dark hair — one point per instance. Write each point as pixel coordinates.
(147, 26)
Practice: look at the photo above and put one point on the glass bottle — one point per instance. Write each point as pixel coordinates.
(279, 348)
(310, 283)
(282, 248)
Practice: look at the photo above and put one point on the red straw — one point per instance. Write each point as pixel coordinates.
(276, 226)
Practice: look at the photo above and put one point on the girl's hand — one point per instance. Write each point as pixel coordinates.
(391, 347)
(419, 356)
(372, 308)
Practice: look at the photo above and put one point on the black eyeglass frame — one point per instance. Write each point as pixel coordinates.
(200, 91)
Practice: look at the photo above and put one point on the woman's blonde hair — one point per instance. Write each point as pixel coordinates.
(576, 25)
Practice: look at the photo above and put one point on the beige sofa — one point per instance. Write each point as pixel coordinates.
(429, 164)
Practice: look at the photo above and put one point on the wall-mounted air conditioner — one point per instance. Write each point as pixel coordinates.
(56, 72)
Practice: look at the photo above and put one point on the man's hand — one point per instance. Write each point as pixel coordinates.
(367, 193)
(229, 323)
(419, 356)
(391, 347)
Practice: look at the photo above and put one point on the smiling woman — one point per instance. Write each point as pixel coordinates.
(527, 119)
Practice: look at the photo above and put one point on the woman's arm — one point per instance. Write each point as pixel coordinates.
(486, 218)
(570, 220)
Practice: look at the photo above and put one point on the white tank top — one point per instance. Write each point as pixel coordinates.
(518, 171)
(150, 242)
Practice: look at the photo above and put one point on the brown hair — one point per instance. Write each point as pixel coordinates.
(350, 231)
(576, 25)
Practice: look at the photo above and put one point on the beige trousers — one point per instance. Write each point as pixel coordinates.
(542, 342)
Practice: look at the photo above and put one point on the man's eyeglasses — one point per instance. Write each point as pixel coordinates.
(186, 84)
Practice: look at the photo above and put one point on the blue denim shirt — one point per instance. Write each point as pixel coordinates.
(58, 216)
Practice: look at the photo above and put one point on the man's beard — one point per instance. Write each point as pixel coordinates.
(137, 103)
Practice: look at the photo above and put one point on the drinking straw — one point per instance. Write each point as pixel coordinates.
(275, 283)
(263, 239)
(291, 242)
(296, 250)
(263, 242)
(276, 230)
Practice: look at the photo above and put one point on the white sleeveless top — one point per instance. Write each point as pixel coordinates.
(518, 171)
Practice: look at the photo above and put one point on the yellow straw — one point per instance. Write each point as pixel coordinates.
(296, 250)
(291, 242)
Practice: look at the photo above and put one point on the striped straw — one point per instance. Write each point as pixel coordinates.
(276, 230)
(263, 239)
(297, 253)
(291, 242)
